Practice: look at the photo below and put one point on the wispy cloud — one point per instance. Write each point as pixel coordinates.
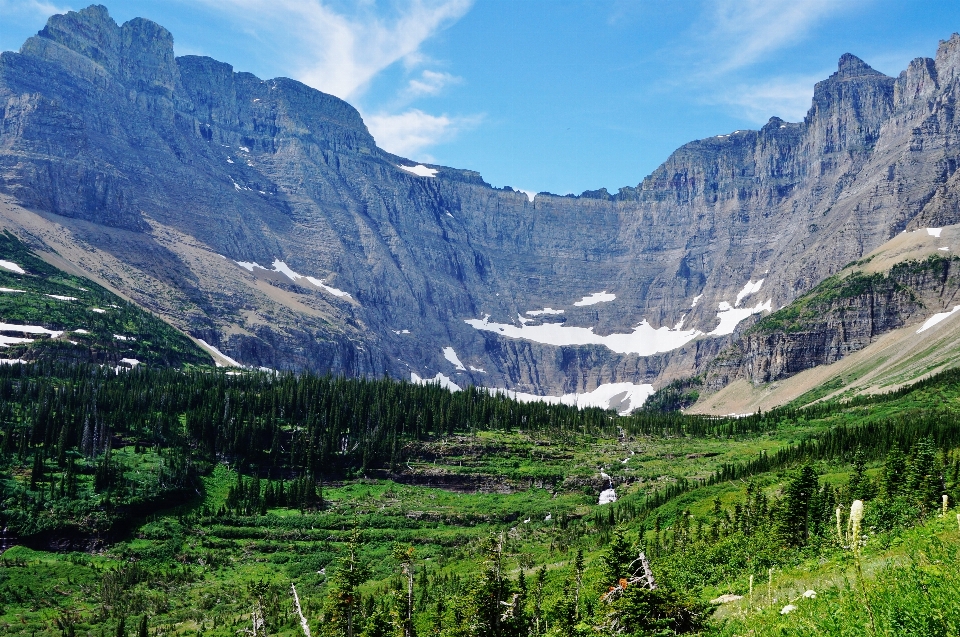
(411, 132)
(430, 83)
(340, 52)
(744, 31)
(733, 39)
(784, 97)
(31, 7)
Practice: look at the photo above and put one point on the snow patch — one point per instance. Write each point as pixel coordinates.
(625, 397)
(938, 318)
(934, 232)
(450, 215)
(451, 355)
(644, 340)
(696, 300)
(29, 329)
(80, 331)
(245, 149)
(596, 297)
(98, 310)
(731, 317)
(214, 350)
(401, 331)
(748, 289)
(13, 340)
(282, 268)
(132, 362)
(61, 298)
(10, 290)
(12, 361)
(13, 267)
(439, 379)
(419, 170)
(546, 310)
(477, 369)
(249, 265)
(121, 337)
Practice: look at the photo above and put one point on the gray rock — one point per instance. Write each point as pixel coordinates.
(139, 153)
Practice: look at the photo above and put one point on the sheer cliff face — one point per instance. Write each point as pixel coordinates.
(169, 171)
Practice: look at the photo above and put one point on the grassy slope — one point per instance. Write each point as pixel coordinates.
(149, 339)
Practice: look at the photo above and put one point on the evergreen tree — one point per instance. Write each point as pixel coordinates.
(617, 558)
(794, 522)
(859, 486)
(343, 602)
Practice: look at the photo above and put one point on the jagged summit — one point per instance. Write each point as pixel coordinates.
(850, 66)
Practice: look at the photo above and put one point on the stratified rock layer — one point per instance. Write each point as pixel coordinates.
(167, 171)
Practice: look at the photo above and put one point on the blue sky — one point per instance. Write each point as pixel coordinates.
(543, 95)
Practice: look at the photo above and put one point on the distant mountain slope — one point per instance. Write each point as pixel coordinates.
(879, 324)
(260, 216)
(48, 314)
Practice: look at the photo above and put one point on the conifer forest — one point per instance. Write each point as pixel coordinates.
(199, 501)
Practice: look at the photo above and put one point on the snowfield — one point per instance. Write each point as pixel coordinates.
(451, 355)
(938, 318)
(214, 350)
(419, 170)
(596, 297)
(13, 267)
(748, 289)
(644, 340)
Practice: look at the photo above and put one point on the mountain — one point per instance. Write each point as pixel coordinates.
(260, 216)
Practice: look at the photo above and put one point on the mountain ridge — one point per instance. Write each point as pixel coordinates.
(173, 170)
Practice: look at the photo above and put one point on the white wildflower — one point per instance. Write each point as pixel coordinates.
(856, 517)
(946, 504)
(810, 594)
(786, 610)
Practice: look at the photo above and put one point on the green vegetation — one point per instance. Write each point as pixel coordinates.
(165, 502)
(810, 307)
(678, 394)
(97, 325)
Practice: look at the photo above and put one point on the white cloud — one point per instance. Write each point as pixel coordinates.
(340, 53)
(747, 30)
(430, 83)
(410, 132)
(785, 97)
(31, 7)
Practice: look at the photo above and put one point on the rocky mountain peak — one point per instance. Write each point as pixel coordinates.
(139, 53)
(850, 66)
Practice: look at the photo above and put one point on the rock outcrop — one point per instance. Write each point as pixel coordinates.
(168, 172)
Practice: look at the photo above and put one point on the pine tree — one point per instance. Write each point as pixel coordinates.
(343, 602)
(617, 558)
(859, 485)
(794, 523)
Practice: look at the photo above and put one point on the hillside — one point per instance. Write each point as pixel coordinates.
(200, 497)
(50, 315)
(880, 323)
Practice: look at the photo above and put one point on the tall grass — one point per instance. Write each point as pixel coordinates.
(916, 593)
